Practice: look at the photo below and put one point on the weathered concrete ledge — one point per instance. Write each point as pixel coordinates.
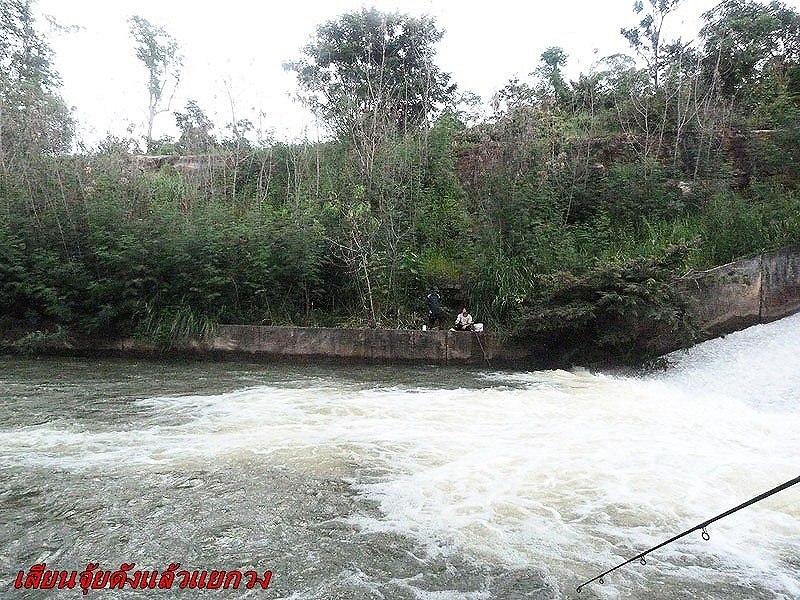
(363, 345)
(746, 292)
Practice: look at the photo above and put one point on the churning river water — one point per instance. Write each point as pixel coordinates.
(409, 483)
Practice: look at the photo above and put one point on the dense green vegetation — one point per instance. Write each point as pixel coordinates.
(564, 214)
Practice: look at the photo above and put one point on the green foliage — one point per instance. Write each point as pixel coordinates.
(735, 225)
(632, 192)
(172, 326)
(195, 128)
(35, 120)
(430, 269)
(647, 38)
(369, 63)
(38, 342)
(16, 288)
(619, 311)
(553, 87)
(498, 285)
(159, 52)
(748, 44)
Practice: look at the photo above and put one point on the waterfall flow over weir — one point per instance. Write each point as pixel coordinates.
(379, 482)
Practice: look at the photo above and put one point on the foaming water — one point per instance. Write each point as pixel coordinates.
(415, 483)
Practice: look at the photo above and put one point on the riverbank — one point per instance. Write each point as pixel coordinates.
(727, 298)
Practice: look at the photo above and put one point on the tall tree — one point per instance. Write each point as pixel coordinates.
(646, 37)
(552, 85)
(34, 120)
(370, 63)
(746, 41)
(195, 128)
(159, 52)
(371, 75)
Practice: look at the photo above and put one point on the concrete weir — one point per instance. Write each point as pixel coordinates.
(358, 345)
(746, 292)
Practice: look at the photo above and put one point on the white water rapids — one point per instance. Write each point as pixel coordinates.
(459, 485)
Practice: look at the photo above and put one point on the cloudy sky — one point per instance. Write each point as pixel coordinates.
(234, 51)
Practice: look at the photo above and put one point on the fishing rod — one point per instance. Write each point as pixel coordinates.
(486, 358)
(702, 526)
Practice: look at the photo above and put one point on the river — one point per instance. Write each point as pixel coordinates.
(409, 483)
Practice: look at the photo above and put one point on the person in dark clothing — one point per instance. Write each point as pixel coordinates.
(434, 301)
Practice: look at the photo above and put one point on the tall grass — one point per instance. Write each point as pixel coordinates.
(174, 325)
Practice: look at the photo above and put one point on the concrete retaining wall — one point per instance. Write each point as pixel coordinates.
(780, 284)
(371, 345)
(746, 292)
(727, 298)
(364, 345)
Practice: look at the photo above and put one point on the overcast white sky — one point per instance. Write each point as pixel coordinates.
(242, 44)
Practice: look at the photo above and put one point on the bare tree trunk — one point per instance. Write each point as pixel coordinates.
(262, 185)
(237, 136)
(373, 318)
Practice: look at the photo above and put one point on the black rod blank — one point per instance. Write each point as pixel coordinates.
(701, 526)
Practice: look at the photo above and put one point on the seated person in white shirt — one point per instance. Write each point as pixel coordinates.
(463, 321)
